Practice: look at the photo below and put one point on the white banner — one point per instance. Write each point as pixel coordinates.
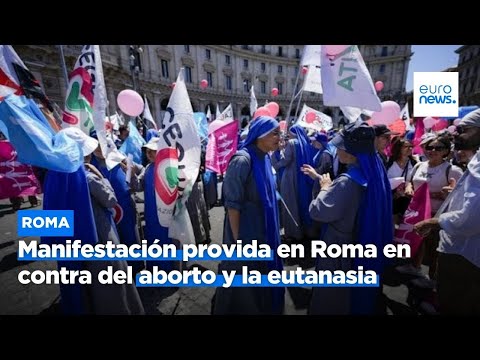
(313, 119)
(178, 158)
(346, 81)
(311, 55)
(313, 80)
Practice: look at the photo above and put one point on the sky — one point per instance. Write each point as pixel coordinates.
(431, 58)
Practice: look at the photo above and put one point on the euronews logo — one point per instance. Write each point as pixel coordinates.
(435, 94)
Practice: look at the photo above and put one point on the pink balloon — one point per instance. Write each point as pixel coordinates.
(451, 129)
(379, 86)
(304, 70)
(456, 122)
(273, 108)
(440, 125)
(203, 84)
(335, 49)
(389, 113)
(274, 92)
(428, 122)
(283, 125)
(130, 102)
(262, 111)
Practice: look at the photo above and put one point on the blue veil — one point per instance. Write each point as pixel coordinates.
(264, 179)
(374, 224)
(304, 155)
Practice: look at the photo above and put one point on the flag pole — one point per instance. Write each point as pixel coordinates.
(64, 66)
(293, 97)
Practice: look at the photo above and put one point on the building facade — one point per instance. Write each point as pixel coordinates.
(468, 75)
(230, 71)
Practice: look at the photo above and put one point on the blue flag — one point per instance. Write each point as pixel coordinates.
(63, 191)
(202, 126)
(36, 143)
(133, 144)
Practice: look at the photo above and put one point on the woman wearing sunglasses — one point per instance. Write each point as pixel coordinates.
(438, 173)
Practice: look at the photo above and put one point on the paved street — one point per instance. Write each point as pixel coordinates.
(43, 299)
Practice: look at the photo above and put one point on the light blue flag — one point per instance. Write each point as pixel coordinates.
(36, 143)
(202, 126)
(133, 144)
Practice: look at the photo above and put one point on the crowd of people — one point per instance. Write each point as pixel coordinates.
(352, 186)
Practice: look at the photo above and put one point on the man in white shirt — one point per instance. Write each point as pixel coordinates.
(459, 247)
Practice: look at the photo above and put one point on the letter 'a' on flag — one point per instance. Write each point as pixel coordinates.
(178, 157)
(418, 210)
(346, 80)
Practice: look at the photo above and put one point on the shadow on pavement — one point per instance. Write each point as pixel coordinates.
(10, 262)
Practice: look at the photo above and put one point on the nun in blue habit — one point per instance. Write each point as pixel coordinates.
(354, 209)
(252, 214)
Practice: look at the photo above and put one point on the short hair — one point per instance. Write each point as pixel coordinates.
(122, 128)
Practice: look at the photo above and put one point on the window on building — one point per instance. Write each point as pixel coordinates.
(280, 69)
(245, 47)
(164, 68)
(210, 79)
(384, 51)
(297, 53)
(263, 87)
(227, 59)
(280, 51)
(263, 67)
(188, 74)
(280, 88)
(246, 85)
(186, 48)
(208, 54)
(245, 63)
(228, 82)
(382, 69)
(296, 70)
(264, 49)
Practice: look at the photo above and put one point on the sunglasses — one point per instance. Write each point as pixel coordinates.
(463, 128)
(436, 148)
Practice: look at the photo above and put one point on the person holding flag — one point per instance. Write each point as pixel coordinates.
(252, 214)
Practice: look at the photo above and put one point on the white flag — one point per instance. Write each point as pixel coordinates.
(313, 119)
(226, 115)
(346, 80)
(177, 162)
(217, 114)
(405, 116)
(209, 114)
(353, 113)
(253, 102)
(109, 150)
(313, 80)
(311, 55)
(147, 115)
